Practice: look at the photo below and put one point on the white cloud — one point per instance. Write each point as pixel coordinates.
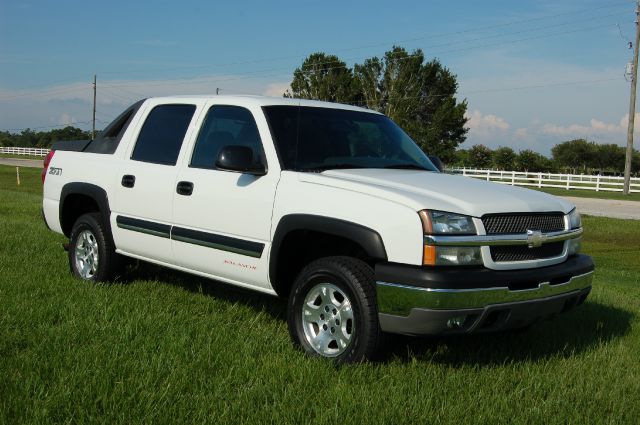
(485, 126)
(521, 133)
(276, 89)
(595, 129)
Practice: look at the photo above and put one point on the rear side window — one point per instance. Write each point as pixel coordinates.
(108, 140)
(162, 134)
(226, 125)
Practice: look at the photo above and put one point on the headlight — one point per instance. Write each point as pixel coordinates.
(575, 222)
(443, 223)
(575, 245)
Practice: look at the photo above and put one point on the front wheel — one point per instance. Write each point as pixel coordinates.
(332, 310)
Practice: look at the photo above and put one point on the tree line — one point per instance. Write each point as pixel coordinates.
(577, 156)
(42, 139)
(573, 156)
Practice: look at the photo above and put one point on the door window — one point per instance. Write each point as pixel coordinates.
(226, 125)
(162, 134)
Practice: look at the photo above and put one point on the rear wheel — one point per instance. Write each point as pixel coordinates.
(92, 256)
(332, 310)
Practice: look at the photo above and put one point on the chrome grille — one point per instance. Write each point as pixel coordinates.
(524, 253)
(500, 224)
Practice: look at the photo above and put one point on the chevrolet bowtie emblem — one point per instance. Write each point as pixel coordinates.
(535, 238)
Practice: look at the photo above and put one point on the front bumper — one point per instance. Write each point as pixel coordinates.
(421, 301)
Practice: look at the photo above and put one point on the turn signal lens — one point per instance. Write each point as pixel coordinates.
(429, 255)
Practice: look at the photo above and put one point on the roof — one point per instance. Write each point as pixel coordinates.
(265, 101)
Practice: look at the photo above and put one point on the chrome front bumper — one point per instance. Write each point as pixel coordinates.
(400, 299)
(424, 301)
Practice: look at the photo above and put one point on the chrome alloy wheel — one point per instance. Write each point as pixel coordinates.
(86, 255)
(327, 320)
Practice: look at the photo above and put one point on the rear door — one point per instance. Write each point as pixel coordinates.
(142, 198)
(222, 225)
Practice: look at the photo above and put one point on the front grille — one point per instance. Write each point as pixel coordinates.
(500, 224)
(524, 253)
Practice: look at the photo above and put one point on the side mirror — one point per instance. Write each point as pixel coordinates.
(239, 159)
(437, 162)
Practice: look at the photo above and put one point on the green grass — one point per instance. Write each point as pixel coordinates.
(166, 347)
(589, 194)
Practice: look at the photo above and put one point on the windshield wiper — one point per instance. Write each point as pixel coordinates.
(406, 167)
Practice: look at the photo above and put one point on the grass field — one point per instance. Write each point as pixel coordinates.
(590, 194)
(165, 347)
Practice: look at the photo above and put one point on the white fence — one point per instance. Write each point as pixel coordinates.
(24, 151)
(560, 181)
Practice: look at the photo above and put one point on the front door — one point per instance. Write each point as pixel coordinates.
(222, 219)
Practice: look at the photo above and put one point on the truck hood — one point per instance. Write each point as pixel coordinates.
(439, 191)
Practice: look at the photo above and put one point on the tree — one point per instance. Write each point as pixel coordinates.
(418, 95)
(480, 156)
(609, 157)
(575, 154)
(461, 158)
(323, 77)
(528, 160)
(504, 158)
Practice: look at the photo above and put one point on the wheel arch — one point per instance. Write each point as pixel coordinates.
(79, 198)
(295, 233)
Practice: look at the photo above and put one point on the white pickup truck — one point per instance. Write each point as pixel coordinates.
(331, 206)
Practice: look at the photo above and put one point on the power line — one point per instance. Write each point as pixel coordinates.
(492, 90)
(262, 73)
(48, 126)
(423, 37)
(259, 73)
(48, 92)
(497, 89)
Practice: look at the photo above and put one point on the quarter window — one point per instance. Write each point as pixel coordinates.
(162, 134)
(226, 125)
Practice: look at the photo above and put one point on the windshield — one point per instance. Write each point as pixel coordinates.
(318, 139)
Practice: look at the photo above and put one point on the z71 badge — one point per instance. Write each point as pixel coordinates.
(55, 171)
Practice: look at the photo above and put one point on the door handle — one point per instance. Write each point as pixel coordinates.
(128, 180)
(184, 188)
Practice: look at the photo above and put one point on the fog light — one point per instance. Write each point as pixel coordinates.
(456, 322)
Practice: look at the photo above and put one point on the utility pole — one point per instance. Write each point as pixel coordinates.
(93, 129)
(632, 106)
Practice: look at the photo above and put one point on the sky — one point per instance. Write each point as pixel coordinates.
(534, 73)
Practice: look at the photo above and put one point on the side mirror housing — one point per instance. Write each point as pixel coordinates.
(239, 159)
(437, 162)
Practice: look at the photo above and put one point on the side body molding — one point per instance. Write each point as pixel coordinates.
(370, 240)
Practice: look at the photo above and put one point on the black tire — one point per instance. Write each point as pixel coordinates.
(109, 264)
(346, 276)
